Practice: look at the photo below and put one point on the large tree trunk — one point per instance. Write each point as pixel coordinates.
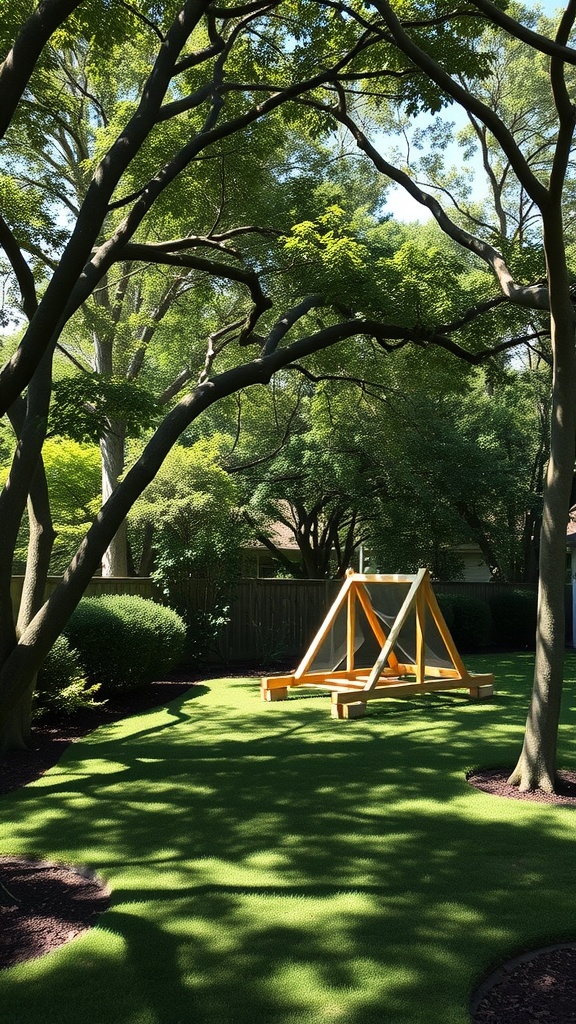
(536, 768)
(15, 726)
(115, 559)
(25, 480)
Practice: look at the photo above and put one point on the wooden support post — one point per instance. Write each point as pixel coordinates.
(395, 631)
(420, 635)
(324, 629)
(481, 692)
(443, 628)
(356, 709)
(280, 693)
(351, 629)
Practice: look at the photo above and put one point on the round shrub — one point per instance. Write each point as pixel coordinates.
(125, 642)
(61, 685)
(472, 622)
(514, 615)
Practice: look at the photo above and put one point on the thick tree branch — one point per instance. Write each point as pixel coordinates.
(56, 305)
(282, 326)
(534, 39)
(22, 272)
(16, 69)
(531, 296)
(465, 99)
(248, 278)
(565, 108)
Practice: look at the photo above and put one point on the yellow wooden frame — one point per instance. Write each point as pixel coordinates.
(353, 686)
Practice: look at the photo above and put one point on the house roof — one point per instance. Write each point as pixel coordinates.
(280, 535)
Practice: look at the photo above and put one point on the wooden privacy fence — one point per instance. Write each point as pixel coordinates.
(136, 585)
(273, 620)
(269, 620)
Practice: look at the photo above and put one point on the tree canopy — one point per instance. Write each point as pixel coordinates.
(205, 107)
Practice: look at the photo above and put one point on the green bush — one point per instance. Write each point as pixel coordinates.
(125, 642)
(446, 602)
(471, 624)
(203, 631)
(514, 615)
(61, 684)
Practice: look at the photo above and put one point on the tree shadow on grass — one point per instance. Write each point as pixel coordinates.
(273, 866)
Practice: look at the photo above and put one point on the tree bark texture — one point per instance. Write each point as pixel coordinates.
(536, 768)
(115, 558)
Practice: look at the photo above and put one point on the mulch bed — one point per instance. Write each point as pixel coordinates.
(51, 736)
(495, 781)
(44, 905)
(538, 987)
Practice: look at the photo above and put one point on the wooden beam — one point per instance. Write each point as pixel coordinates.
(395, 631)
(482, 692)
(273, 682)
(443, 628)
(279, 693)
(403, 689)
(355, 709)
(324, 628)
(351, 629)
(420, 634)
(361, 577)
(373, 620)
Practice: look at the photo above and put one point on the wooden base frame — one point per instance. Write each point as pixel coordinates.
(352, 687)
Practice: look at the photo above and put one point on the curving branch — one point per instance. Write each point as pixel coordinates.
(18, 65)
(537, 41)
(249, 278)
(22, 272)
(58, 304)
(564, 106)
(436, 73)
(530, 296)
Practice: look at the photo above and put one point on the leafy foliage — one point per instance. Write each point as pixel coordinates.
(125, 642)
(85, 405)
(468, 619)
(61, 685)
(189, 516)
(514, 616)
(73, 475)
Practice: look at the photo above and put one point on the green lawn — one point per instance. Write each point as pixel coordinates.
(270, 865)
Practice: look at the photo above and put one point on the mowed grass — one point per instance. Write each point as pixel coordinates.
(270, 865)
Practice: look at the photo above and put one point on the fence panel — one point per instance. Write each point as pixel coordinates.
(269, 620)
(274, 620)
(139, 586)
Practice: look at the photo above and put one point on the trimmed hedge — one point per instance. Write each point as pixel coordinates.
(468, 619)
(125, 642)
(514, 615)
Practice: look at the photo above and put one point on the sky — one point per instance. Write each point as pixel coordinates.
(399, 203)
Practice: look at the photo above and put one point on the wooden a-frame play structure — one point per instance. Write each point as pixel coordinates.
(389, 676)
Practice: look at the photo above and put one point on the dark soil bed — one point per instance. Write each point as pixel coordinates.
(538, 987)
(495, 781)
(44, 905)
